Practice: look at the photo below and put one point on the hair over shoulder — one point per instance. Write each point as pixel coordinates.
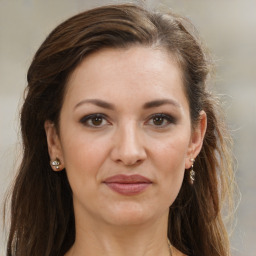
(42, 215)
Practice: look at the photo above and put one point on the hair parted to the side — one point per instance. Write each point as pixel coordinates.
(42, 217)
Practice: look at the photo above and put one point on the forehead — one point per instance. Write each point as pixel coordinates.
(133, 72)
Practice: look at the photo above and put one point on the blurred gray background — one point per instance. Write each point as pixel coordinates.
(228, 27)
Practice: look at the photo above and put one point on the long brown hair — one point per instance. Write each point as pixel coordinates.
(42, 217)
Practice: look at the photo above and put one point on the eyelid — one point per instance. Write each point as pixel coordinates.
(86, 118)
(170, 119)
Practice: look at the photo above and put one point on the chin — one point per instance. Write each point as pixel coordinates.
(131, 214)
(129, 220)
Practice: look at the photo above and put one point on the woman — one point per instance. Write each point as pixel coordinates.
(139, 156)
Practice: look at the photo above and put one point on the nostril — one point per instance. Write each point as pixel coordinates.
(129, 161)
(128, 146)
(128, 158)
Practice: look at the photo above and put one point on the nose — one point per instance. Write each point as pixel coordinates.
(128, 146)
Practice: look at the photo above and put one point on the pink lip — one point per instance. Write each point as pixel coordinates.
(128, 184)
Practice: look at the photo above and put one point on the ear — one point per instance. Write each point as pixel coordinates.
(54, 144)
(197, 137)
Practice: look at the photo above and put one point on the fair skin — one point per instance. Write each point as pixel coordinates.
(124, 112)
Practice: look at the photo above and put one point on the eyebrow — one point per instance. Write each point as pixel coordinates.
(160, 102)
(97, 102)
(147, 105)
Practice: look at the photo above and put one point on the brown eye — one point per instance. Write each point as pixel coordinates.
(158, 120)
(94, 120)
(161, 120)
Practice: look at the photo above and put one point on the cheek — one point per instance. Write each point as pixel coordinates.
(169, 160)
(83, 157)
(171, 153)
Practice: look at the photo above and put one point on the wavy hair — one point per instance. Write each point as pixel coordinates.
(42, 215)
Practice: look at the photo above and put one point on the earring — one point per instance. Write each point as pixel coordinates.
(56, 164)
(192, 173)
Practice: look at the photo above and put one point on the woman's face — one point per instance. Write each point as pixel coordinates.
(125, 135)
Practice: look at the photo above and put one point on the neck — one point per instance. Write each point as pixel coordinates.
(148, 239)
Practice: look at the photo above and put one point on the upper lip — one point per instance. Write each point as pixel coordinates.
(127, 179)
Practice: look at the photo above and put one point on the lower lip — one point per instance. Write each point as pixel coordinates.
(128, 189)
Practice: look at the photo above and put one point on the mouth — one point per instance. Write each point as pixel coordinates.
(128, 184)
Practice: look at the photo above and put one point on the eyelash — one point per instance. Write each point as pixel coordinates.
(87, 120)
(166, 117)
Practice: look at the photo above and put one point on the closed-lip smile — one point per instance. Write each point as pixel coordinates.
(128, 184)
